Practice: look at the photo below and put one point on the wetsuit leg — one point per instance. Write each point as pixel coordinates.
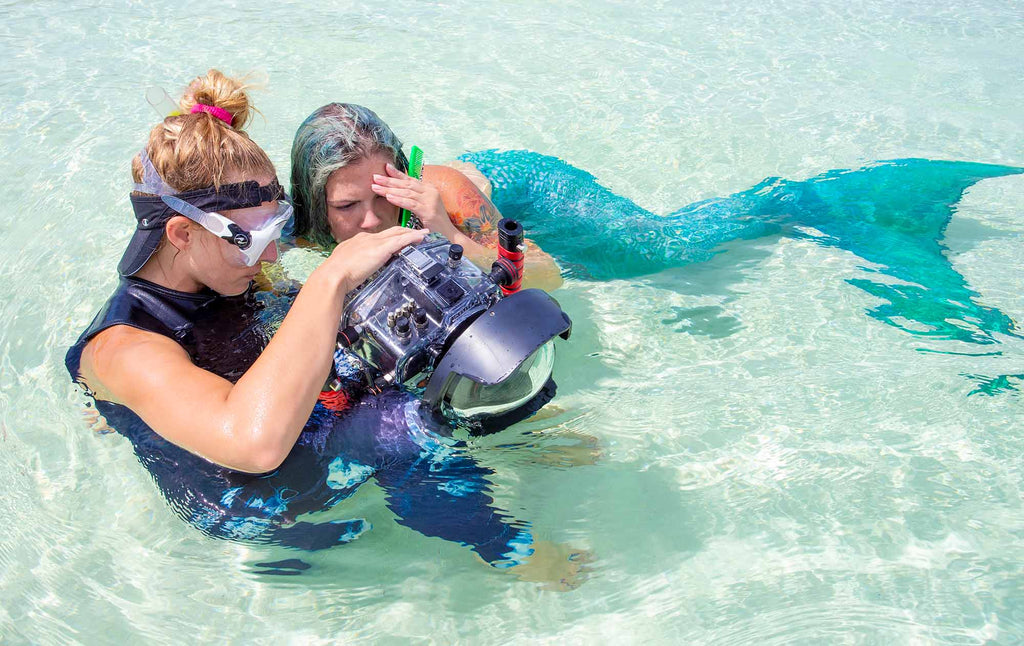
(450, 498)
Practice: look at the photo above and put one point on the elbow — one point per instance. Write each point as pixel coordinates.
(256, 446)
(263, 460)
(553, 282)
(541, 271)
(259, 458)
(549, 281)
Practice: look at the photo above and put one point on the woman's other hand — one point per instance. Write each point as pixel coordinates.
(422, 199)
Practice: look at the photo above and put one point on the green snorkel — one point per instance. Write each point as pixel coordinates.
(406, 218)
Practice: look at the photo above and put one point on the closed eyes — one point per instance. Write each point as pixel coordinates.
(343, 206)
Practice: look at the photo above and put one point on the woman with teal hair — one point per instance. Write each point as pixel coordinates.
(349, 176)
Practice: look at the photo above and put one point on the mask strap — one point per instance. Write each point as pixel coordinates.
(152, 183)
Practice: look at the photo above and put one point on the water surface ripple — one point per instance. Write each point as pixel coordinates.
(808, 431)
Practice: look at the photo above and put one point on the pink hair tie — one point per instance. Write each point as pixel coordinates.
(220, 113)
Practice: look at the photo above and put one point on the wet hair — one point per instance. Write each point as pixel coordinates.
(334, 136)
(191, 151)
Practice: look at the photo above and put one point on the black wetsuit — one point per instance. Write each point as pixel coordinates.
(432, 484)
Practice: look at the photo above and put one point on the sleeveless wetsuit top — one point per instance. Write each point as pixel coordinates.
(221, 334)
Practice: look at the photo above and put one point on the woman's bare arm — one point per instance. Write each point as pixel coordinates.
(251, 425)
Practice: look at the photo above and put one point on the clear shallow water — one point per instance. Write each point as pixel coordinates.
(773, 464)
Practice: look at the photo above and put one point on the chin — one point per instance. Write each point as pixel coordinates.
(234, 288)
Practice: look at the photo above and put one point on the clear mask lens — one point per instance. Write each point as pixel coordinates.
(264, 235)
(249, 244)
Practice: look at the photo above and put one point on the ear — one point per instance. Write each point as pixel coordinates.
(179, 232)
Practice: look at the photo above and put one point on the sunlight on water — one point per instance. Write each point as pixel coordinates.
(791, 428)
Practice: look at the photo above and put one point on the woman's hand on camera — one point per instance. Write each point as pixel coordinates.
(364, 253)
(423, 199)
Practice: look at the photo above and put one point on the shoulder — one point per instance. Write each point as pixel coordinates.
(467, 206)
(121, 356)
(458, 176)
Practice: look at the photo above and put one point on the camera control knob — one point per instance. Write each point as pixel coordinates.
(454, 255)
(419, 317)
(402, 327)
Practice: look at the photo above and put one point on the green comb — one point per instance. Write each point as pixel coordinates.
(406, 218)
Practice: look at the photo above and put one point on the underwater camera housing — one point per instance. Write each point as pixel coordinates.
(448, 332)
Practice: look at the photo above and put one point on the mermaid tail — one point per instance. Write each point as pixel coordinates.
(892, 214)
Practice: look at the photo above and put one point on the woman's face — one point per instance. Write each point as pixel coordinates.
(352, 206)
(217, 263)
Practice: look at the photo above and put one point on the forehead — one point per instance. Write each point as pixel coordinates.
(356, 178)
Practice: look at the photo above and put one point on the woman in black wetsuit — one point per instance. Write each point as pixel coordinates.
(228, 420)
(208, 210)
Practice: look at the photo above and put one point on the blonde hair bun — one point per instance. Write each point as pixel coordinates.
(216, 89)
(191, 151)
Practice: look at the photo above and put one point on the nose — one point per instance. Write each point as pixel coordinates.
(371, 221)
(270, 253)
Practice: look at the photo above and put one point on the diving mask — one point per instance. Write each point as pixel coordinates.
(249, 243)
(153, 209)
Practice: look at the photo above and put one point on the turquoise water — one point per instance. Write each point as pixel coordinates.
(797, 427)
